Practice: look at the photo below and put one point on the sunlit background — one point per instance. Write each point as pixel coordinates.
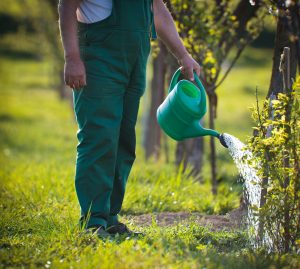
(38, 150)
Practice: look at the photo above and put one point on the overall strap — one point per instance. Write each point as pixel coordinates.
(153, 31)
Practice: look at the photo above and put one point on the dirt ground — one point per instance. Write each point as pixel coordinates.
(233, 220)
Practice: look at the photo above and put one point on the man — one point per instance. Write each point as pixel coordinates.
(106, 45)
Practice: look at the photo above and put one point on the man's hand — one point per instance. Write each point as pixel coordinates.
(188, 65)
(74, 73)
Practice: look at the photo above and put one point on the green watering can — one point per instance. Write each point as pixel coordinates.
(180, 113)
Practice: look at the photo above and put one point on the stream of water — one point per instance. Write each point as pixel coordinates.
(252, 183)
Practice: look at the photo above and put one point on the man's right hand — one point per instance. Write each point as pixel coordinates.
(74, 73)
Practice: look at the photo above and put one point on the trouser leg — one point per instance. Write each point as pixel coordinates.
(126, 152)
(127, 139)
(99, 122)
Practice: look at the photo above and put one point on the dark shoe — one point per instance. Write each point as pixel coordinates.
(98, 231)
(121, 229)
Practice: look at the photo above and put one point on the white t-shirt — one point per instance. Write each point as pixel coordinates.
(90, 11)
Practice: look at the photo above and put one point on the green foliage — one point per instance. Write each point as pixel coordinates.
(211, 30)
(276, 147)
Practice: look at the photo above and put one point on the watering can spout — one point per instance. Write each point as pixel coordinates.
(197, 130)
(200, 131)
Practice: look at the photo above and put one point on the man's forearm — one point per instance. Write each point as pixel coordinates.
(166, 30)
(68, 27)
(74, 70)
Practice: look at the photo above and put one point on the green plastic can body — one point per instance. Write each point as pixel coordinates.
(175, 116)
(180, 113)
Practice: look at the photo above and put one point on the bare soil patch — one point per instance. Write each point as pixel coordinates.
(232, 221)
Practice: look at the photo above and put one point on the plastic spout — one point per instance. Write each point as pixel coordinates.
(197, 130)
(222, 140)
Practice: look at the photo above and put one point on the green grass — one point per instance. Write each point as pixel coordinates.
(39, 210)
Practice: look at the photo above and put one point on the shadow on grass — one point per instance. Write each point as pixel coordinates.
(7, 118)
(17, 54)
(252, 61)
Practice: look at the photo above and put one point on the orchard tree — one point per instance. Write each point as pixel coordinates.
(152, 139)
(211, 30)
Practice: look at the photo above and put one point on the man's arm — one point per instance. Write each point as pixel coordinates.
(74, 72)
(167, 32)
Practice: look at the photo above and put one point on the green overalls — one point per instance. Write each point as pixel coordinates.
(115, 53)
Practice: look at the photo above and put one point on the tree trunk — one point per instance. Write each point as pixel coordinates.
(243, 12)
(213, 162)
(287, 29)
(190, 152)
(287, 88)
(65, 92)
(153, 134)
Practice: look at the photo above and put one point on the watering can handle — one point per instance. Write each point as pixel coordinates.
(176, 76)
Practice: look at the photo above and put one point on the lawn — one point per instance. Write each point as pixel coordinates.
(39, 211)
